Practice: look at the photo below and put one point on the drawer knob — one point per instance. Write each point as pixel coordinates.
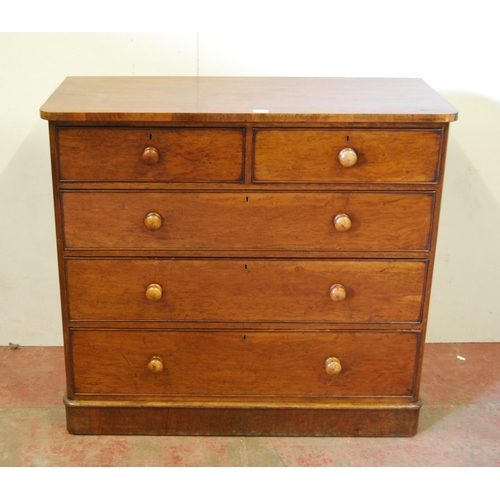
(153, 221)
(154, 292)
(150, 156)
(333, 366)
(342, 222)
(155, 364)
(337, 293)
(348, 157)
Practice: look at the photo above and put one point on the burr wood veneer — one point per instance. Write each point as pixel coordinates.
(245, 256)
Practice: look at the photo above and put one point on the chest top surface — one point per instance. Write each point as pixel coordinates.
(249, 99)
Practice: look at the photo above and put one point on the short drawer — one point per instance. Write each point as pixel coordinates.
(398, 156)
(246, 290)
(151, 154)
(247, 221)
(243, 363)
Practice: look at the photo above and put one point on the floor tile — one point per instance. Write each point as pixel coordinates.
(32, 377)
(461, 373)
(38, 437)
(458, 437)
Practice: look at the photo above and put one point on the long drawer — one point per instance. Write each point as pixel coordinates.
(151, 154)
(243, 363)
(247, 221)
(291, 155)
(341, 291)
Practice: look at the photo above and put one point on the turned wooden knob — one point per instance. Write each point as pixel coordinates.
(155, 364)
(348, 157)
(150, 156)
(337, 293)
(333, 366)
(154, 292)
(342, 222)
(153, 221)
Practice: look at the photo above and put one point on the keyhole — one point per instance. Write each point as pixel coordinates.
(246, 266)
(150, 137)
(244, 338)
(347, 138)
(246, 200)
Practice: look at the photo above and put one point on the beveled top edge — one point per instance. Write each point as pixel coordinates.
(246, 99)
(248, 118)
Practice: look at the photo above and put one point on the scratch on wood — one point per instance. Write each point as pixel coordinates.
(125, 358)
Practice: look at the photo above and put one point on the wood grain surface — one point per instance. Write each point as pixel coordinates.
(334, 420)
(230, 99)
(243, 363)
(185, 155)
(246, 290)
(312, 155)
(247, 221)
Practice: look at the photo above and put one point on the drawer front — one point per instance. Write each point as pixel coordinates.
(245, 290)
(284, 155)
(251, 221)
(243, 363)
(150, 154)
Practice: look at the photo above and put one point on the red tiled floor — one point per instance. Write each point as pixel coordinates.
(459, 423)
(31, 377)
(448, 378)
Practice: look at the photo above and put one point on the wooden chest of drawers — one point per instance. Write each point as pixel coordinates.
(245, 256)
